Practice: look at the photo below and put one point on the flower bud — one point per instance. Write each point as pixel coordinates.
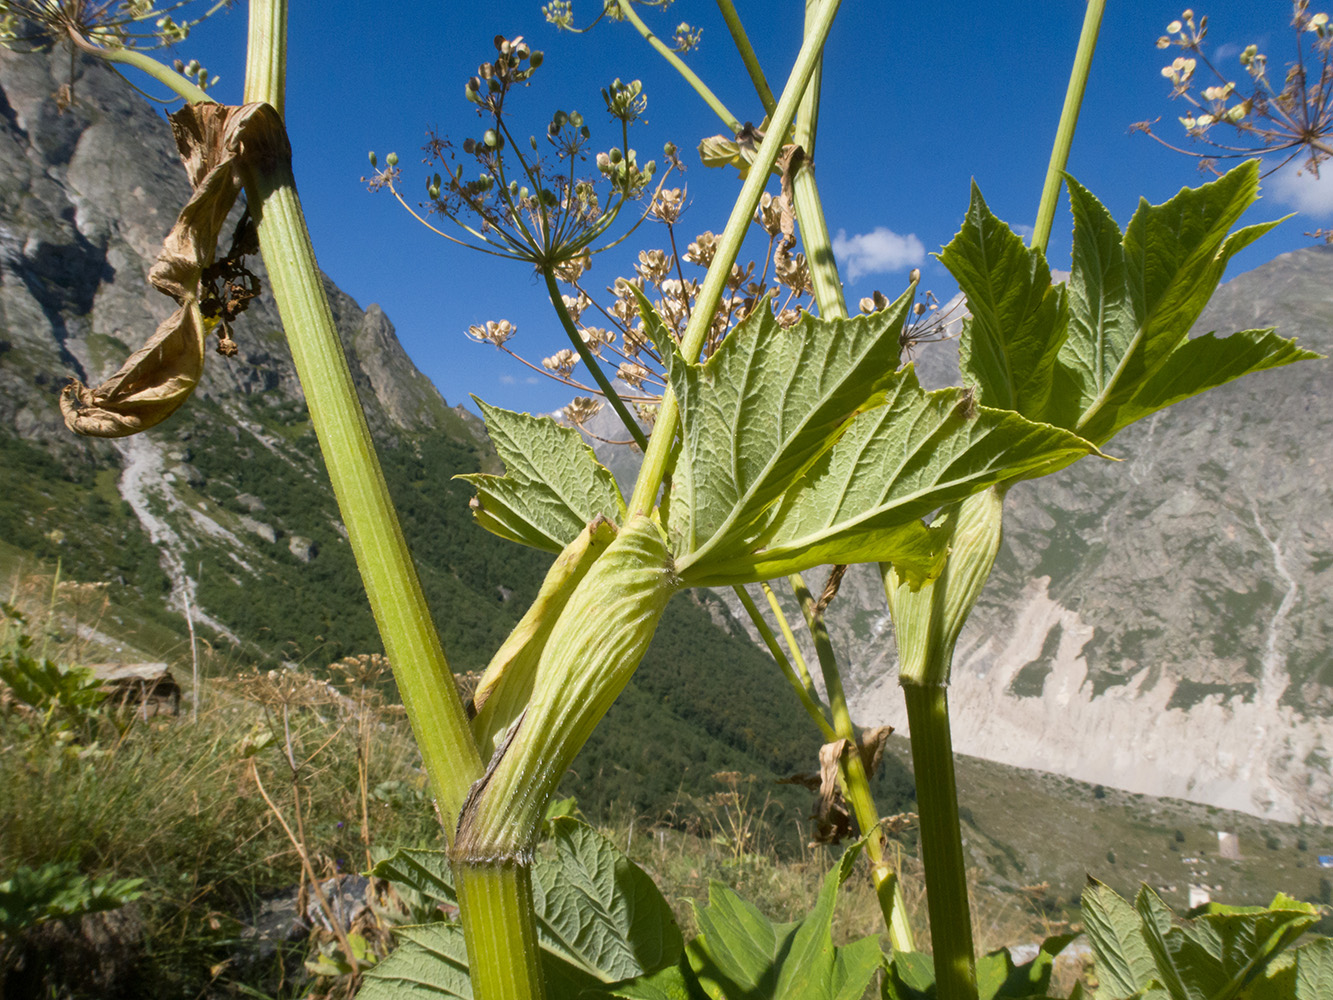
(392, 159)
(374, 160)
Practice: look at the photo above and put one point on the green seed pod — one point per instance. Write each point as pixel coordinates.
(591, 653)
(374, 160)
(392, 159)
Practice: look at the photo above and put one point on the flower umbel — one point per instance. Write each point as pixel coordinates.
(1293, 119)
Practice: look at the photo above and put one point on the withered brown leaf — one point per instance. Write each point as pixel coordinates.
(215, 143)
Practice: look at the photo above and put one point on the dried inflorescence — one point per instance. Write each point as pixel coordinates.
(522, 203)
(1293, 119)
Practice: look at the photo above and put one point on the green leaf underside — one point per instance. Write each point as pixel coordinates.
(1120, 340)
(1134, 298)
(1218, 953)
(764, 407)
(862, 501)
(600, 919)
(741, 955)
(1009, 344)
(600, 910)
(1125, 963)
(552, 487)
(1304, 973)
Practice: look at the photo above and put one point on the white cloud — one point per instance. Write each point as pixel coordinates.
(507, 380)
(880, 251)
(1302, 191)
(1022, 230)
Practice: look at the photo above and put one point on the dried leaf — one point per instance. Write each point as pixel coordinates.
(215, 142)
(833, 820)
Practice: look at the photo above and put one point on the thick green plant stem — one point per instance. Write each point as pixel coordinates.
(941, 841)
(746, 50)
(657, 455)
(266, 54)
(855, 780)
(396, 599)
(700, 88)
(1064, 135)
(497, 899)
(927, 622)
(590, 361)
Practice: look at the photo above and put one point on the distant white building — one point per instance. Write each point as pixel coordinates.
(1228, 845)
(1199, 895)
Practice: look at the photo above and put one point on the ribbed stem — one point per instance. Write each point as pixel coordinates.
(396, 599)
(746, 50)
(266, 54)
(941, 841)
(855, 780)
(1064, 135)
(497, 898)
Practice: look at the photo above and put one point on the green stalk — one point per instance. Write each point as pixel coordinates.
(1064, 135)
(700, 88)
(927, 622)
(790, 638)
(590, 361)
(855, 781)
(941, 841)
(748, 56)
(497, 899)
(146, 64)
(657, 454)
(809, 207)
(266, 54)
(396, 599)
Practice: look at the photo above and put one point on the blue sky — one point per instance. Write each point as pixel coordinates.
(919, 99)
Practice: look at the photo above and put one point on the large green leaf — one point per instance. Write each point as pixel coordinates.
(1018, 318)
(600, 920)
(764, 407)
(1134, 298)
(863, 500)
(552, 487)
(599, 909)
(1304, 973)
(1217, 953)
(740, 954)
(1125, 963)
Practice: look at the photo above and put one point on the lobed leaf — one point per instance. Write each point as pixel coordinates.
(1018, 319)
(759, 412)
(740, 955)
(863, 499)
(1134, 297)
(552, 487)
(600, 920)
(1125, 963)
